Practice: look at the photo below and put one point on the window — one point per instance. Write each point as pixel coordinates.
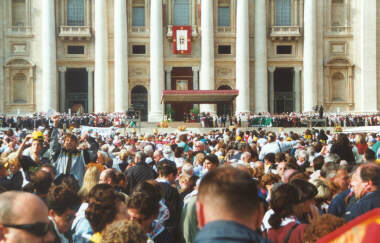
(181, 12)
(283, 13)
(138, 49)
(223, 16)
(75, 49)
(224, 49)
(18, 13)
(138, 16)
(338, 13)
(75, 12)
(339, 87)
(282, 49)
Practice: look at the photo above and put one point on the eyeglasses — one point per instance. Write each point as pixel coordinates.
(38, 229)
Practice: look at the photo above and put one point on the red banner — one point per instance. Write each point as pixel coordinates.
(182, 40)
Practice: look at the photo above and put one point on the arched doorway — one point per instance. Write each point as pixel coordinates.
(139, 101)
(283, 90)
(224, 109)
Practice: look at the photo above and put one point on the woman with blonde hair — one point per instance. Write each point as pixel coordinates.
(91, 178)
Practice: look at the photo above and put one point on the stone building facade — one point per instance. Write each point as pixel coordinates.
(110, 55)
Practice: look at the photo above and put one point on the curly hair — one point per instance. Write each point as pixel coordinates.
(321, 226)
(123, 231)
(144, 203)
(60, 198)
(269, 179)
(103, 203)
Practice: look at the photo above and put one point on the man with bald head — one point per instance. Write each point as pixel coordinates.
(24, 218)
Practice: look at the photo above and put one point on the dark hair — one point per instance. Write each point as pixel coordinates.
(342, 140)
(178, 152)
(213, 159)
(370, 155)
(166, 168)
(283, 199)
(67, 180)
(370, 172)
(61, 198)
(144, 203)
(307, 191)
(41, 182)
(279, 157)
(102, 207)
(270, 157)
(70, 135)
(151, 187)
(318, 162)
(111, 173)
(232, 187)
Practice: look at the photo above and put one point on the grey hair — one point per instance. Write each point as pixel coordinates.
(303, 154)
(139, 156)
(148, 149)
(332, 157)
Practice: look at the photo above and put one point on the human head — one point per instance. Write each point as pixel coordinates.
(123, 231)
(283, 202)
(200, 158)
(108, 176)
(142, 208)
(70, 141)
(269, 158)
(211, 162)
(321, 226)
(20, 208)
(90, 179)
(221, 190)
(41, 181)
(167, 170)
(342, 179)
(63, 204)
(157, 155)
(369, 155)
(246, 157)
(323, 189)
(365, 179)
(307, 192)
(139, 157)
(105, 205)
(318, 162)
(281, 167)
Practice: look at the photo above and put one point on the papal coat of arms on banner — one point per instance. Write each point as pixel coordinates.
(182, 40)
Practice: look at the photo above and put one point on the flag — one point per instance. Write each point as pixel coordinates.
(182, 40)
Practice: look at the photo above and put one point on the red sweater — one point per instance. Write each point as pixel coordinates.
(279, 235)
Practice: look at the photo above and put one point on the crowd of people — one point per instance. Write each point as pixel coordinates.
(227, 185)
(129, 119)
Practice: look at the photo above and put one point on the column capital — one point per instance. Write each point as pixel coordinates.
(168, 68)
(90, 69)
(297, 69)
(62, 69)
(271, 69)
(195, 68)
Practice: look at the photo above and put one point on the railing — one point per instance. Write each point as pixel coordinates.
(285, 32)
(340, 30)
(224, 29)
(74, 32)
(20, 30)
(139, 29)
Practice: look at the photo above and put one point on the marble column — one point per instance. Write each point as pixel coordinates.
(168, 85)
(121, 56)
(100, 83)
(62, 89)
(156, 61)
(368, 64)
(310, 55)
(49, 56)
(207, 81)
(242, 57)
(297, 88)
(271, 88)
(195, 78)
(90, 90)
(261, 76)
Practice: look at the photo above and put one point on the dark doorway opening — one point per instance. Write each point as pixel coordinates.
(283, 90)
(182, 79)
(76, 90)
(224, 109)
(139, 101)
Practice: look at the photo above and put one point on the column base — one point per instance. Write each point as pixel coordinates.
(243, 115)
(155, 117)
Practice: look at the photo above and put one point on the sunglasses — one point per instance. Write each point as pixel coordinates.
(37, 229)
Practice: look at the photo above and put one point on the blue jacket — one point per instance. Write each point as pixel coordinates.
(338, 206)
(227, 232)
(370, 201)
